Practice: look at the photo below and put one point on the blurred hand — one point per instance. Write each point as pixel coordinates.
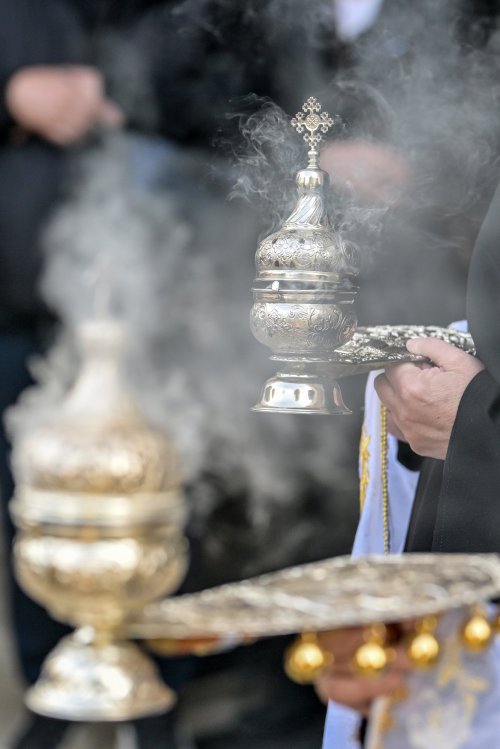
(342, 685)
(423, 400)
(60, 103)
(374, 171)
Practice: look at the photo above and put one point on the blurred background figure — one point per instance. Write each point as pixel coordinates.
(51, 99)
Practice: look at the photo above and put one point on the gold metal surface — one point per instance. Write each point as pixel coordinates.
(477, 632)
(373, 656)
(385, 478)
(98, 680)
(371, 659)
(305, 660)
(423, 648)
(100, 515)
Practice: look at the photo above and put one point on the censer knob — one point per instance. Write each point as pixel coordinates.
(423, 648)
(372, 657)
(305, 660)
(477, 633)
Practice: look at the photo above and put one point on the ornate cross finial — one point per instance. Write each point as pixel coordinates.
(312, 119)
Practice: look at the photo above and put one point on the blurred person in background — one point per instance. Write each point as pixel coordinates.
(50, 100)
(54, 98)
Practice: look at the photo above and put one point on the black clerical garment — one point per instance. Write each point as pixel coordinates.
(457, 503)
(31, 169)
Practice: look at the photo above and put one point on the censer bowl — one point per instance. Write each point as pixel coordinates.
(294, 325)
(301, 326)
(95, 579)
(98, 582)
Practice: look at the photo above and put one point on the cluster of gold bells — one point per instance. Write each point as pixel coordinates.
(306, 660)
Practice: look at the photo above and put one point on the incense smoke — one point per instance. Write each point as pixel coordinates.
(146, 234)
(175, 267)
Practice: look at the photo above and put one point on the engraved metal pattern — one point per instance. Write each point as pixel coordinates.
(126, 459)
(313, 120)
(99, 581)
(319, 250)
(306, 272)
(331, 594)
(118, 682)
(374, 347)
(300, 327)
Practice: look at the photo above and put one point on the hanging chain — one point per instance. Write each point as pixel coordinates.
(385, 480)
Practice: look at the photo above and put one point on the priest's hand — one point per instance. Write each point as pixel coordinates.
(423, 399)
(343, 685)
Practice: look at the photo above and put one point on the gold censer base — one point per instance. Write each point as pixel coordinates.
(87, 680)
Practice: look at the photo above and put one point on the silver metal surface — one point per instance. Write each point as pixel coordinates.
(377, 346)
(330, 594)
(305, 285)
(297, 391)
(304, 294)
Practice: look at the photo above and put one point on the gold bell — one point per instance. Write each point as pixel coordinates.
(423, 647)
(477, 633)
(372, 658)
(305, 660)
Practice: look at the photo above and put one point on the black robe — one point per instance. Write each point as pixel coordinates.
(457, 504)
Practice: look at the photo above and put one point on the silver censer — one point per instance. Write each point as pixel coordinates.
(304, 295)
(304, 290)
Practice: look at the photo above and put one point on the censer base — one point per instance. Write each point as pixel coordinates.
(85, 681)
(302, 394)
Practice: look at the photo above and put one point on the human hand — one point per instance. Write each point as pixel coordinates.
(422, 399)
(60, 104)
(343, 685)
(374, 171)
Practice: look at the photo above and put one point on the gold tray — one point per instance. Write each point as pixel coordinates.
(331, 594)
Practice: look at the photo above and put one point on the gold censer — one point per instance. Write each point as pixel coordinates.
(99, 516)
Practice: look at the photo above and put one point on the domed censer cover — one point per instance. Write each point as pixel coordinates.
(99, 516)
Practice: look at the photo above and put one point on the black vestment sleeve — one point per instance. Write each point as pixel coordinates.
(468, 512)
(483, 290)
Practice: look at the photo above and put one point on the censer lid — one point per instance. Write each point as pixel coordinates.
(307, 248)
(98, 442)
